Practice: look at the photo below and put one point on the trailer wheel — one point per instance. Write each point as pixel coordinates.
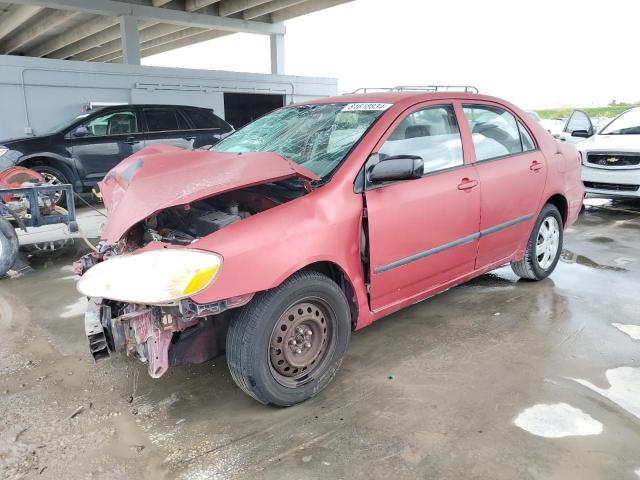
(8, 246)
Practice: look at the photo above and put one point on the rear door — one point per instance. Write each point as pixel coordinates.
(512, 174)
(167, 125)
(103, 141)
(206, 127)
(422, 233)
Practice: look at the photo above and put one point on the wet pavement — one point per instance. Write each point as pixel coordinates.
(494, 379)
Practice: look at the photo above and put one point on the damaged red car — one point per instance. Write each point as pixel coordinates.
(316, 220)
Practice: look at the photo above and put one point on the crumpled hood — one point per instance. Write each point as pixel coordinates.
(162, 176)
(611, 143)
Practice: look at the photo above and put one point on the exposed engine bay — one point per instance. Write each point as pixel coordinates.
(182, 332)
(181, 225)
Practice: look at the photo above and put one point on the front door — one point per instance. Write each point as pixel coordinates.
(512, 174)
(423, 232)
(104, 141)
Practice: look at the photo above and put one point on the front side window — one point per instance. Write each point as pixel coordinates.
(115, 123)
(494, 131)
(318, 137)
(159, 120)
(626, 124)
(430, 133)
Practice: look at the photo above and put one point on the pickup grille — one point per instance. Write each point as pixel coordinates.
(616, 187)
(613, 160)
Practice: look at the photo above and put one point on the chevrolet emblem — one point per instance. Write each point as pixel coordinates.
(613, 160)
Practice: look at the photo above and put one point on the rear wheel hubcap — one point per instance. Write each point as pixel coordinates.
(548, 242)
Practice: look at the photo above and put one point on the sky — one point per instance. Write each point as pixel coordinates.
(537, 54)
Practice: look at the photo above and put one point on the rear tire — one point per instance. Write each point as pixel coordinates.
(286, 345)
(54, 176)
(543, 248)
(8, 246)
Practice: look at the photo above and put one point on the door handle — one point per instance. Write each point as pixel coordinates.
(131, 141)
(536, 166)
(467, 184)
(190, 137)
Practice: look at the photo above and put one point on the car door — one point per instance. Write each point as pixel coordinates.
(423, 232)
(578, 127)
(167, 125)
(512, 176)
(104, 140)
(207, 128)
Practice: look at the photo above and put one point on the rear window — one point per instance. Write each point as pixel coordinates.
(159, 120)
(207, 120)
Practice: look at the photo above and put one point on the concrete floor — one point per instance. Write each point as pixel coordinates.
(430, 392)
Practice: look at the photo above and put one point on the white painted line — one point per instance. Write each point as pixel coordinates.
(632, 330)
(556, 421)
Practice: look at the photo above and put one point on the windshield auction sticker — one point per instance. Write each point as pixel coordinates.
(366, 107)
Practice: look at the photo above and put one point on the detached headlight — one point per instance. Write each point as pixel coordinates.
(157, 276)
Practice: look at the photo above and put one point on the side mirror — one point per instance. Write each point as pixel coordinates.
(398, 167)
(581, 133)
(81, 131)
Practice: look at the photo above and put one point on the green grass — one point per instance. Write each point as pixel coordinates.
(608, 111)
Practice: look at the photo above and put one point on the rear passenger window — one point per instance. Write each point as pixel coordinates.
(159, 120)
(202, 119)
(494, 131)
(432, 134)
(527, 141)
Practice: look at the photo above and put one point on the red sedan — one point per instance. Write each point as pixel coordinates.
(315, 220)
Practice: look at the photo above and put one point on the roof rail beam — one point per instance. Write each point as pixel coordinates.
(160, 15)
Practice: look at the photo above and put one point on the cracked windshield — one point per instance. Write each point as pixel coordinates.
(318, 137)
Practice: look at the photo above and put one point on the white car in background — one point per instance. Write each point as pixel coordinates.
(553, 125)
(611, 158)
(577, 128)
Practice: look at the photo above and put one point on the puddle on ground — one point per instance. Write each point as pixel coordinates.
(601, 240)
(624, 388)
(557, 420)
(567, 256)
(632, 330)
(76, 309)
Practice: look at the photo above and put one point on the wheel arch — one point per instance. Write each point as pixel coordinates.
(339, 276)
(52, 160)
(561, 203)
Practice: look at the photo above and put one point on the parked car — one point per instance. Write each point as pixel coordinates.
(577, 128)
(315, 220)
(611, 158)
(81, 151)
(554, 125)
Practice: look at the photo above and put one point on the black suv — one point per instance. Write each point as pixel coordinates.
(83, 150)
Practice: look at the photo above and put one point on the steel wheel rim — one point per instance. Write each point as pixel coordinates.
(548, 242)
(309, 321)
(51, 179)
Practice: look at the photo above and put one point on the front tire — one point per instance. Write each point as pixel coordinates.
(544, 246)
(286, 345)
